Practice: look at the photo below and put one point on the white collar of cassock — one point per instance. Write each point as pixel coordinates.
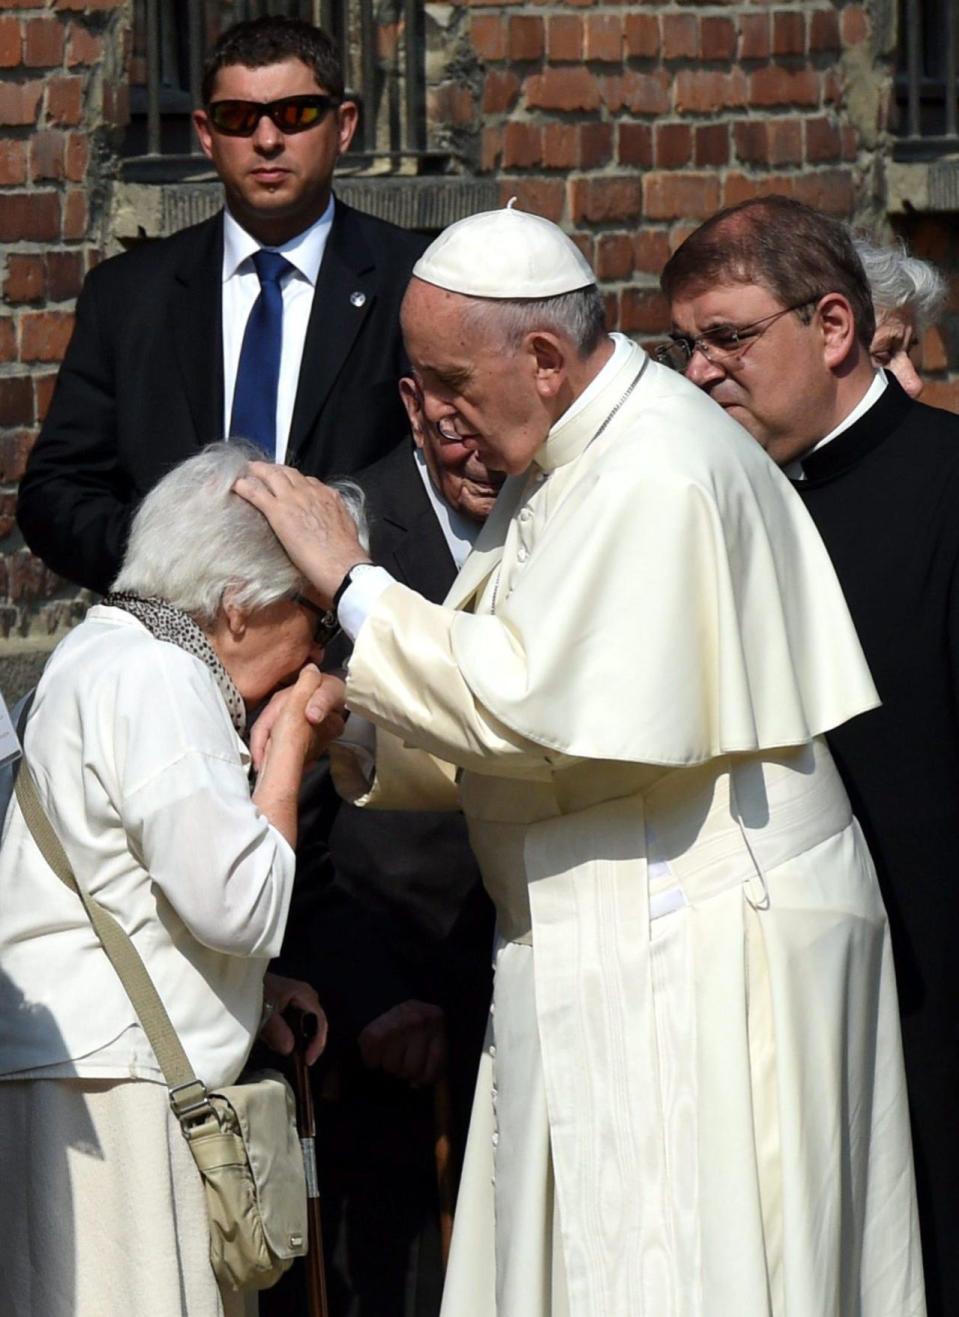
(304, 252)
(872, 395)
(575, 428)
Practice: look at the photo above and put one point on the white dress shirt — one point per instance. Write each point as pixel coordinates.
(459, 532)
(241, 288)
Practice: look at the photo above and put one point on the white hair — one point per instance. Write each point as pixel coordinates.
(900, 282)
(579, 316)
(193, 539)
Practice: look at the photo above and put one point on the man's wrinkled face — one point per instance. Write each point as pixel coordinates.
(895, 345)
(775, 383)
(458, 473)
(277, 184)
(471, 386)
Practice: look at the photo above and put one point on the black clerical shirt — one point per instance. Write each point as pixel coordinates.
(885, 496)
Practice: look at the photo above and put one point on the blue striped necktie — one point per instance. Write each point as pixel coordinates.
(258, 372)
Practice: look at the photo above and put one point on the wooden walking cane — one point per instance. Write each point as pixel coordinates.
(443, 1150)
(304, 1026)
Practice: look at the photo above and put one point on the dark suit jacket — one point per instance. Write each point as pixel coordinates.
(141, 386)
(396, 911)
(406, 915)
(885, 496)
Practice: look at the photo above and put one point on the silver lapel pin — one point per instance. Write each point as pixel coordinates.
(358, 299)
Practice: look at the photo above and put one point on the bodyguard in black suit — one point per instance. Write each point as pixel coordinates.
(142, 383)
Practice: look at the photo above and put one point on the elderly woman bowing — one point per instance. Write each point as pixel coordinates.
(135, 739)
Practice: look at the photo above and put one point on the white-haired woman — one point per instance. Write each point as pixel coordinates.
(135, 739)
(907, 295)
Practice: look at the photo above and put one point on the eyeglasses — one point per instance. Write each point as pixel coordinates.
(721, 343)
(291, 114)
(327, 625)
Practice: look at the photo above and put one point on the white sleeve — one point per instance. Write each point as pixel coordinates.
(186, 808)
(359, 737)
(359, 599)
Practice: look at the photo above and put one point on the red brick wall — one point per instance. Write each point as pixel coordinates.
(626, 122)
(59, 106)
(629, 124)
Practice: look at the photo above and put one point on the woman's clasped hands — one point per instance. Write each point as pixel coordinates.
(312, 712)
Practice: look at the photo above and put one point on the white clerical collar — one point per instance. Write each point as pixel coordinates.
(621, 348)
(305, 251)
(566, 439)
(872, 395)
(458, 531)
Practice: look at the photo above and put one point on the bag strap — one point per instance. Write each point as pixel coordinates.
(188, 1094)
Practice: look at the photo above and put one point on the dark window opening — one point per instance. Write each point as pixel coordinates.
(926, 111)
(381, 45)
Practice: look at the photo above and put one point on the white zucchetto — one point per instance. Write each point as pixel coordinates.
(504, 253)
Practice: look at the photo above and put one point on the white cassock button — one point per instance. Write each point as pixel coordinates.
(525, 514)
(521, 554)
(358, 298)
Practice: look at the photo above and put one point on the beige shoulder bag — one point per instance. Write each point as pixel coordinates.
(243, 1137)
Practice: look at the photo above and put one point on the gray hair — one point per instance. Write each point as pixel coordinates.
(899, 281)
(579, 316)
(193, 539)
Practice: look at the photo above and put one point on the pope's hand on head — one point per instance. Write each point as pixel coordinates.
(310, 521)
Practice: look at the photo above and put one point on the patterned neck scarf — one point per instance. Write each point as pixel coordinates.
(167, 623)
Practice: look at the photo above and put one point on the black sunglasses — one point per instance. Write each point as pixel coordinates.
(326, 624)
(291, 114)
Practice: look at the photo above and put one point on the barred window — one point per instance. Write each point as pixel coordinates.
(926, 121)
(381, 46)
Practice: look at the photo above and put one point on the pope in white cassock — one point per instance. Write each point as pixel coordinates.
(691, 1102)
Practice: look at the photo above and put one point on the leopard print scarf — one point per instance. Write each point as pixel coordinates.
(167, 623)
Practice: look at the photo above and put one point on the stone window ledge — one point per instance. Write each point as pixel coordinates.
(927, 186)
(154, 210)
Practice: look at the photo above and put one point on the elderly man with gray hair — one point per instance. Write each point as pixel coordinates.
(135, 739)
(907, 296)
(692, 1098)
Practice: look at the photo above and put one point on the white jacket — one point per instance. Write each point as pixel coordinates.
(145, 782)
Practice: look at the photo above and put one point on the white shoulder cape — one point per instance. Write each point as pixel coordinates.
(678, 603)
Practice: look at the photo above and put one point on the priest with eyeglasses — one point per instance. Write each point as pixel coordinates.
(691, 1101)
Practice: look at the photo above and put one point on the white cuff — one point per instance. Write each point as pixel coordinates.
(359, 599)
(359, 737)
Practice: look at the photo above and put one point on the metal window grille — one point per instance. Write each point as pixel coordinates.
(381, 45)
(927, 83)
